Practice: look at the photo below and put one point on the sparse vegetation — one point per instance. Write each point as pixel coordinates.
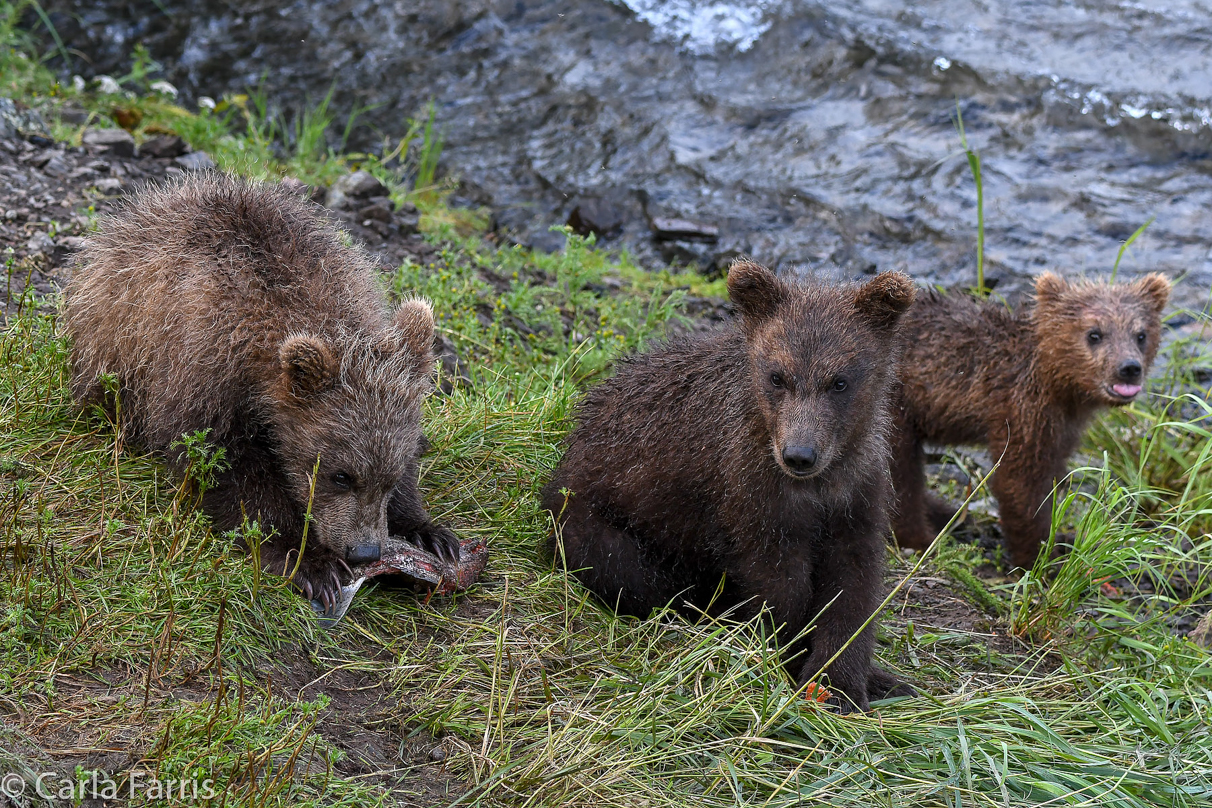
(126, 624)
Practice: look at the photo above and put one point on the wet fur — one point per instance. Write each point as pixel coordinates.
(234, 307)
(676, 480)
(1022, 383)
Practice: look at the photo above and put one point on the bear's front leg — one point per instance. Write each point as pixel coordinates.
(318, 576)
(1023, 486)
(847, 675)
(408, 519)
(253, 488)
(611, 561)
(847, 584)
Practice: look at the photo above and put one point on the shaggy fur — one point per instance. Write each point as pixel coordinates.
(233, 307)
(1024, 384)
(753, 462)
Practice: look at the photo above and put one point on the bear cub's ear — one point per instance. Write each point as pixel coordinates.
(1154, 289)
(754, 290)
(413, 324)
(308, 364)
(1050, 288)
(882, 300)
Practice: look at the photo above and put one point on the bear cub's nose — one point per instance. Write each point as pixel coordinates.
(799, 459)
(1130, 371)
(363, 553)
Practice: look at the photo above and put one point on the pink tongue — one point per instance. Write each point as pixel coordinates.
(1126, 390)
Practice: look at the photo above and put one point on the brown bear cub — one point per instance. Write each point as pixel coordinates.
(748, 467)
(1023, 384)
(234, 307)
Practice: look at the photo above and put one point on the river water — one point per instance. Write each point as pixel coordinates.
(815, 136)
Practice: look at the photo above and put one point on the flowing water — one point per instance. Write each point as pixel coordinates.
(817, 136)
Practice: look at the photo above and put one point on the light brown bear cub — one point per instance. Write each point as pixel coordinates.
(1024, 384)
(235, 307)
(756, 460)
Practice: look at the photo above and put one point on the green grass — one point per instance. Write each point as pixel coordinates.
(125, 623)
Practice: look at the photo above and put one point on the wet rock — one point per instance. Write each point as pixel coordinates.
(163, 146)
(1178, 320)
(16, 122)
(407, 219)
(40, 243)
(335, 199)
(722, 260)
(382, 228)
(358, 185)
(296, 186)
(56, 166)
(511, 220)
(454, 369)
(548, 241)
(684, 229)
(596, 216)
(379, 210)
(73, 116)
(687, 251)
(117, 142)
(65, 247)
(195, 161)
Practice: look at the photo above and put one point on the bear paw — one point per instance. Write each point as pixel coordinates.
(883, 685)
(437, 539)
(319, 579)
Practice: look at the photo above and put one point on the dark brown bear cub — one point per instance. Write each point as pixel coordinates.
(234, 307)
(753, 462)
(1024, 384)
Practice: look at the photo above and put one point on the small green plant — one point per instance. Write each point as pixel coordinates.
(1124, 247)
(142, 68)
(13, 37)
(431, 150)
(310, 132)
(203, 462)
(974, 165)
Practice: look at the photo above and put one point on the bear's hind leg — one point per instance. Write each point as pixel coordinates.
(407, 518)
(253, 488)
(909, 522)
(939, 511)
(610, 562)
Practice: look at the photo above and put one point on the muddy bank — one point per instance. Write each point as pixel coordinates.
(801, 134)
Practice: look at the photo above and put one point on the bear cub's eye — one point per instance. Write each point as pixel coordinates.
(839, 384)
(1140, 339)
(776, 379)
(1094, 337)
(342, 480)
